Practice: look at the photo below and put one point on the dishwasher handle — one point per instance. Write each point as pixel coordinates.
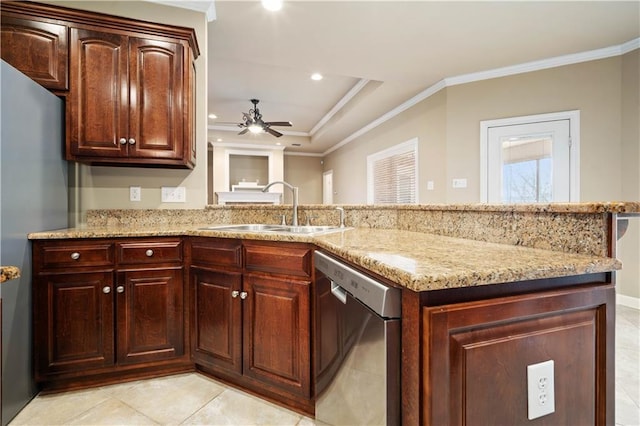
(339, 292)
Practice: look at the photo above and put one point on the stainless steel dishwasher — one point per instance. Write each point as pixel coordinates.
(357, 346)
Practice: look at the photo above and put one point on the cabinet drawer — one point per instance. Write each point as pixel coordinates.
(74, 254)
(149, 252)
(278, 258)
(216, 252)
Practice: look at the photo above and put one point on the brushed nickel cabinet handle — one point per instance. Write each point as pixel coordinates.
(243, 295)
(235, 293)
(75, 255)
(132, 141)
(122, 141)
(120, 289)
(149, 253)
(106, 289)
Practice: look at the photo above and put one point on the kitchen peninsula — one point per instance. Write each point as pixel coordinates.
(486, 291)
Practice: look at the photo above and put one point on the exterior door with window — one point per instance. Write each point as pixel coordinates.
(530, 162)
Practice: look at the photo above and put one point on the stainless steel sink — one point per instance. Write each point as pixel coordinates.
(254, 227)
(263, 228)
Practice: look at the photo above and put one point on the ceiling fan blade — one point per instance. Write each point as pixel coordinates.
(279, 123)
(272, 132)
(244, 131)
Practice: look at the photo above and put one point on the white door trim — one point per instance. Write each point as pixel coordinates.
(574, 154)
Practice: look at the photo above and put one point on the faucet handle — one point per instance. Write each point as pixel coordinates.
(309, 218)
(283, 219)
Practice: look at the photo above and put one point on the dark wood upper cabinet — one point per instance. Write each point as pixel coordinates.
(38, 49)
(127, 99)
(129, 85)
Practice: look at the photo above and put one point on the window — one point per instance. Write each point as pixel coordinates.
(392, 175)
(532, 159)
(527, 170)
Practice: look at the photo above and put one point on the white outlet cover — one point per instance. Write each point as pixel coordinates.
(430, 185)
(135, 193)
(540, 389)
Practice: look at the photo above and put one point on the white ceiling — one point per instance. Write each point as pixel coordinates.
(380, 54)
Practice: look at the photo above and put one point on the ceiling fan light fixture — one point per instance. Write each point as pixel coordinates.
(272, 5)
(255, 128)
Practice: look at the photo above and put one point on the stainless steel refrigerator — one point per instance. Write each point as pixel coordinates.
(34, 197)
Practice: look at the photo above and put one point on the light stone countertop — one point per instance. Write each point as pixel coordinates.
(9, 273)
(418, 261)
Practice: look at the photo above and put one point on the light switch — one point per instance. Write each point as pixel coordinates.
(177, 194)
(460, 183)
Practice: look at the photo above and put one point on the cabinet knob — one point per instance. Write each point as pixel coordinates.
(122, 141)
(235, 293)
(106, 289)
(149, 253)
(243, 295)
(120, 289)
(132, 141)
(75, 255)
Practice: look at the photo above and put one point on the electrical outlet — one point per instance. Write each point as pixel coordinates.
(540, 389)
(172, 194)
(429, 185)
(460, 183)
(135, 193)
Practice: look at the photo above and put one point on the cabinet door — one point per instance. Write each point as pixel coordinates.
(216, 329)
(157, 99)
(73, 318)
(38, 49)
(277, 332)
(98, 101)
(149, 315)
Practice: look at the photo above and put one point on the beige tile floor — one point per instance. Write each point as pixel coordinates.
(193, 399)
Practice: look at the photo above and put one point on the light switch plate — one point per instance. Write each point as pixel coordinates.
(171, 194)
(460, 183)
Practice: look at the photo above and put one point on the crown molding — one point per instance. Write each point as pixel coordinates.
(554, 62)
(341, 103)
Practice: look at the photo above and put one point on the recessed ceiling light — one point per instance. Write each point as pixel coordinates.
(219, 140)
(272, 5)
(213, 116)
(316, 76)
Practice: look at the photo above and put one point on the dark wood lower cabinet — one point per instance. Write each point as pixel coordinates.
(476, 354)
(150, 320)
(277, 332)
(251, 316)
(216, 332)
(73, 323)
(107, 310)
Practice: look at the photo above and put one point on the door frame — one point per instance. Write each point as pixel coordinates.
(574, 150)
(327, 193)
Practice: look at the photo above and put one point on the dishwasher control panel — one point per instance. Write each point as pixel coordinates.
(384, 300)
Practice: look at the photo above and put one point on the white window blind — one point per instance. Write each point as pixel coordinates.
(392, 175)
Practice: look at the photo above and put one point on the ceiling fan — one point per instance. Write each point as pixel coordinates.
(253, 122)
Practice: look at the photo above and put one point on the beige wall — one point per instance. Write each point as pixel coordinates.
(305, 173)
(448, 128)
(629, 245)
(101, 187)
(425, 121)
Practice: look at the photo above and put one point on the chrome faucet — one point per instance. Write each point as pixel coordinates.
(294, 190)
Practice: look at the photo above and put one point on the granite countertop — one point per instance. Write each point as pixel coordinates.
(418, 261)
(9, 273)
